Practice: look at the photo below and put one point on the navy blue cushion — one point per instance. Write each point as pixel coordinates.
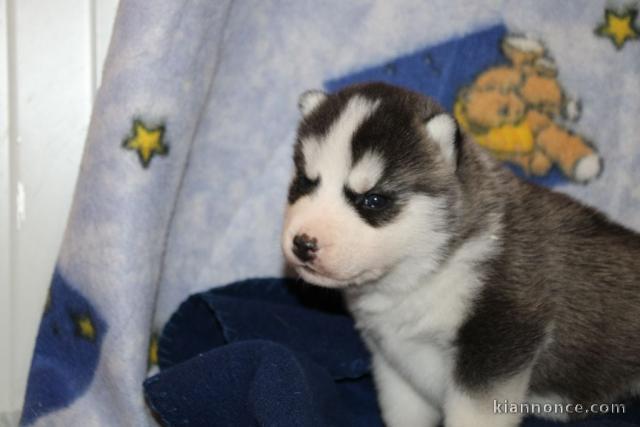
(274, 352)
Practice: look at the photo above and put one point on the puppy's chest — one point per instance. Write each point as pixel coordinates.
(415, 331)
(431, 309)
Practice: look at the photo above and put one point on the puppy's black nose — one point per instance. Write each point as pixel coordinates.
(304, 247)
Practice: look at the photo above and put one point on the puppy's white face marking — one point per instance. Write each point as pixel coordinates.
(366, 173)
(330, 155)
(311, 152)
(348, 248)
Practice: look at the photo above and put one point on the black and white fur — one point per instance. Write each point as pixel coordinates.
(467, 284)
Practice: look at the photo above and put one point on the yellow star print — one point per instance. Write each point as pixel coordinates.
(84, 327)
(153, 350)
(619, 27)
(146, 142)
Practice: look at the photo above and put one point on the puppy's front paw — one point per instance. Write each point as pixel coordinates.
(466, 410)
(476, 419)
(401, 405)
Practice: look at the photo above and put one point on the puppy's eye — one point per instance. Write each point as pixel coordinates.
(374, 201)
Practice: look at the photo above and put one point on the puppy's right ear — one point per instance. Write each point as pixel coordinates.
(443, 129)
(309, 100)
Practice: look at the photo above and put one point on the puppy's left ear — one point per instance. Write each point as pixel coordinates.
(443, 130)
(310, 100)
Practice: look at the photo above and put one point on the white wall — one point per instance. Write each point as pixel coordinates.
(51, 55)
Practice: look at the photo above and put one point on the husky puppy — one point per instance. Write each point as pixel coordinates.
(469, 286)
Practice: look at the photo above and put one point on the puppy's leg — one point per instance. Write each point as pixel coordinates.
(400, 403)
(496, 349)
(486, 408)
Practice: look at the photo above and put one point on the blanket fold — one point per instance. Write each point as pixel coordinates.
(262, 352)
(274, 352)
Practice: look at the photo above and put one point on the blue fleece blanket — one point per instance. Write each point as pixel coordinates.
(272, 352)
(188, 155)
